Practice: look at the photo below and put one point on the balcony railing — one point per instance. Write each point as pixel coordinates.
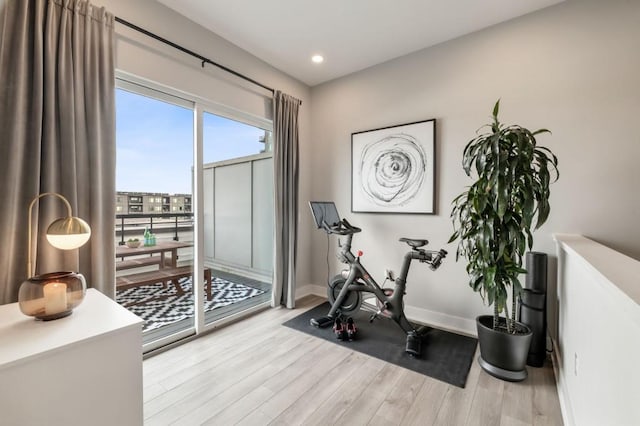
(133, 224)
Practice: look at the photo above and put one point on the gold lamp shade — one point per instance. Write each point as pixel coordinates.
(68, 233)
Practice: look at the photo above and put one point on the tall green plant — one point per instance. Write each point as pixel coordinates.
(494, 217)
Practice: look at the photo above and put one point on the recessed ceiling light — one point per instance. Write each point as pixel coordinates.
(317, 59)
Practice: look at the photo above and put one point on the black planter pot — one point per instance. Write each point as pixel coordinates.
(503, 355)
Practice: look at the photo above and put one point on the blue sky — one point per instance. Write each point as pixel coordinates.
(155, 143)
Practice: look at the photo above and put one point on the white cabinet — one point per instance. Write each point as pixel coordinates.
(85, 369)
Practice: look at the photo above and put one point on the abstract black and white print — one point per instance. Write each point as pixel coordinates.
(393, 169)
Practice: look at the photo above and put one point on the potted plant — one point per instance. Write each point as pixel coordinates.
(493, 220)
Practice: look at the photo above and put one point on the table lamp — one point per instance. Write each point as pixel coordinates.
(54, 295)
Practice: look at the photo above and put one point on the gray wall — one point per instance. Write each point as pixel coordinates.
(571, 68)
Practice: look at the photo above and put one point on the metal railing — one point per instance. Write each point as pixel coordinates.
(133, 224)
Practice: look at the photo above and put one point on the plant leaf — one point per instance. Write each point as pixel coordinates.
(493, 218)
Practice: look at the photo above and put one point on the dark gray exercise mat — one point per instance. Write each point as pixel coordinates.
(445, 356)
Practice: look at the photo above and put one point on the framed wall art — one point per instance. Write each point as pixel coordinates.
(393, 169)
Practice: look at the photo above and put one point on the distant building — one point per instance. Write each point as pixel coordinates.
(152, 202)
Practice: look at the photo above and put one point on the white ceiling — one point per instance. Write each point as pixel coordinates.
(350, 34)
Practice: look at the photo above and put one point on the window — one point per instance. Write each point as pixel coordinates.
(154, 135)
(239, 166)
(158, 130)
(227, 139)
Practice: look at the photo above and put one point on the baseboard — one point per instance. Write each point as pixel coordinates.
(563, 394)
(443, 321)
(310, 289)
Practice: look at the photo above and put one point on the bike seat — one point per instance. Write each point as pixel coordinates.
(414, 243)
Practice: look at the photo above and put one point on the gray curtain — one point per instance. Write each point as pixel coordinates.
(57, 130)
(285, 155)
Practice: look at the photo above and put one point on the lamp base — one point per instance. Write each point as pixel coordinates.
(51, 296)
(54, 316)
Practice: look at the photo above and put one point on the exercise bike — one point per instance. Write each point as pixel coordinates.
(346, 289)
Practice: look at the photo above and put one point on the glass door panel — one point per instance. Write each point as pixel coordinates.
(238, 214)
(154, 217)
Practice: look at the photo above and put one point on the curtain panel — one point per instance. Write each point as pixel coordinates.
(285, 155)
(57, 130)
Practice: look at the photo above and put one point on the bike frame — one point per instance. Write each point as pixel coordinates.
(359, 279)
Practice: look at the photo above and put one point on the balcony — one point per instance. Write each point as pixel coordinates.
(237, 252)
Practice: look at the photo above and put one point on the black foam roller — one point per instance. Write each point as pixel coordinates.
(533, 310)
(533, 299)
(536, 271)
(535, 319)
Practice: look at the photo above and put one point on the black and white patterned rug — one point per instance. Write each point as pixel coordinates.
(159, 306)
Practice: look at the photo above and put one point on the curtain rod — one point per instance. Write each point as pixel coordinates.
(191, 52)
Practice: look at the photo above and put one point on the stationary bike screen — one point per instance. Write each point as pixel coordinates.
(324, 212)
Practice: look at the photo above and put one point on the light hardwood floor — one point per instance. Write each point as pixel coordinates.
(258, 372)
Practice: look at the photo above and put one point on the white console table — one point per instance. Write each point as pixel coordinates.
(85, 369)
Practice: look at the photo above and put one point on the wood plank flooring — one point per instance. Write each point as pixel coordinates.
(258, 372)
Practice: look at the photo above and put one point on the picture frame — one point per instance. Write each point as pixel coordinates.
(393, 169)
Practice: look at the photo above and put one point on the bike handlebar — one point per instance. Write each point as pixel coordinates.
(341, 228)
(433, 258)
(437, 259)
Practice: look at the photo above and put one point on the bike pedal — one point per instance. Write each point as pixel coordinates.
(423, 330)
(321, 322)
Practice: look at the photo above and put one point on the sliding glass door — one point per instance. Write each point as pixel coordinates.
(195, 189)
